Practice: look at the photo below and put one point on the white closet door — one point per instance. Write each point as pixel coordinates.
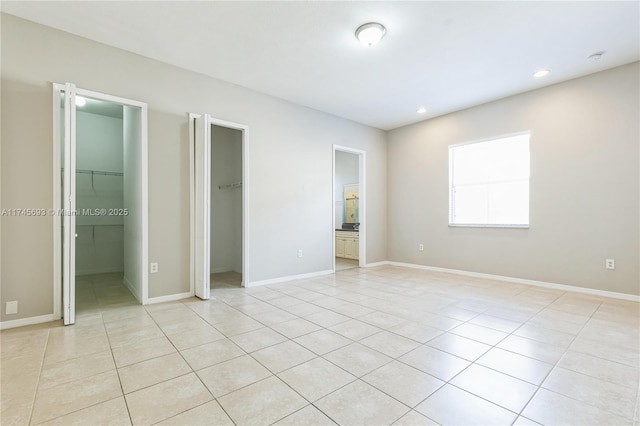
(69, 205)
(202, 193)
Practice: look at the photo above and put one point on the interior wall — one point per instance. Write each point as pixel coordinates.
(226, 204)
(290, 163)
(347, 171)
(99, 147)
(584, 187)
(133, 220)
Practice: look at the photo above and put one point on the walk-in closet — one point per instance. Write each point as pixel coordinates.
(100, 206)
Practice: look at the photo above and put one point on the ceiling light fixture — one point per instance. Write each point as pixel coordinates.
(80, 101)
(370, 33)
(421, 110)
(541, 73)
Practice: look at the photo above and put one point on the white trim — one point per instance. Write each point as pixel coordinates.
(555, 286)
(168, 298)
(471, 225)
(289, 278)
(57, 197)
(28, 321)
(375, 264)
(362, 182)
(192, 204)
(144, 136)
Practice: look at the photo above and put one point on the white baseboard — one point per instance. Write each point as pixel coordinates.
(168, 298)
(555, 286)
(289, 278)
(374, 264)
(27, 321)
(99, 271)
(221, 270)
(132, 289)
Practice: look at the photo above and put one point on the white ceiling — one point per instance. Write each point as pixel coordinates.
(443, 55)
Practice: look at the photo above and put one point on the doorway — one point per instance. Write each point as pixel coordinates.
(349, 195)
(219, 204)
(100, 202)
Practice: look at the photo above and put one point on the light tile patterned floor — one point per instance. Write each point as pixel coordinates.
(374, 346)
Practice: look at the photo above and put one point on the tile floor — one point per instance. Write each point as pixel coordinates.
(374, 346)
(343, 263)
(226, 280)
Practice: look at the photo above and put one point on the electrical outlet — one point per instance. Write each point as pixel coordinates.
(610, 264)
(420, 247)
(12, 307)
(299, 252)
(154, 267)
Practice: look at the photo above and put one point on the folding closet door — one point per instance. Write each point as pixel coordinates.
(69, 206)
(201, 163)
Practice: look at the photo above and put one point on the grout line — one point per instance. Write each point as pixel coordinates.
(349, 286)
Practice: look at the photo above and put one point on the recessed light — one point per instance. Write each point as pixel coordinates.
(541, 73)
(370, 33)
(80, 101)
(421, 110)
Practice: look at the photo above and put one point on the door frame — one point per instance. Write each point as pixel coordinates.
(245, 194)
(362, 182)
(57, 88)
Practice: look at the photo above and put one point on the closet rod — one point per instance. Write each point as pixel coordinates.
(115, 224)
(97, 172)
(230, 186)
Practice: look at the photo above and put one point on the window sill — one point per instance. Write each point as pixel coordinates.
(458, 225)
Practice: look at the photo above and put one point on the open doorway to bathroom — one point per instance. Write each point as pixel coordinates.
(349, 224)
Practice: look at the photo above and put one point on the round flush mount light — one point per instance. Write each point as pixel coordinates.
(541, 73)
(421, 110)
(370, 33)
(80, 101)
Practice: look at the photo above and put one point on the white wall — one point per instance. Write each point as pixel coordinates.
(99, 147)
(347, 172)
(290, 162)
(133, 221)
(584, 188)
(226, 204)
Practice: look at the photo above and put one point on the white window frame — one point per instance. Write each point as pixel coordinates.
(451, 187)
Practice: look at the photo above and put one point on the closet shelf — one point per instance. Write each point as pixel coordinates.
(93, 228)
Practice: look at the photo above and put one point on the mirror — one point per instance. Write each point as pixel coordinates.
(351, 197)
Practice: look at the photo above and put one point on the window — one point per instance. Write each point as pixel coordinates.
(489, 182)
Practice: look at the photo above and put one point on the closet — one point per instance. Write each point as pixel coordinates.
(226, 207)
(99, 190)
(219, 196)
(101, 247)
